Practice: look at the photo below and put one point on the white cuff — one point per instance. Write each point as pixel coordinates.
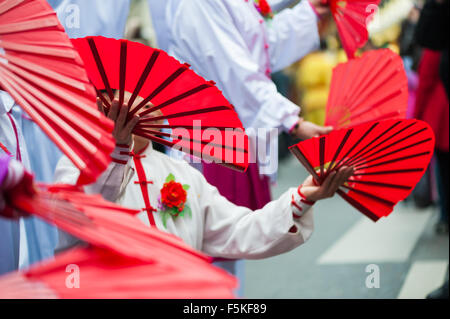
(300, 205)
(122, 154)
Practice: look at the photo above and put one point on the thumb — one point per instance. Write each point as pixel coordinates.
(325, 130)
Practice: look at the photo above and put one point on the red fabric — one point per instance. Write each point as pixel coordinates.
(126, 260)
(185, 99)
(373, 87)
(389, 158)
(100, 223)
(105, 275)
(144, 188)
(46, 77)
(431, 100)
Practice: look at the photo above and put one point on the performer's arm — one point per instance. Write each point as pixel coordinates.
(205, 35)
(237, 232)
(293, 33)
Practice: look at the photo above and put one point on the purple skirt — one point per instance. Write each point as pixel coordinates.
(247, 189)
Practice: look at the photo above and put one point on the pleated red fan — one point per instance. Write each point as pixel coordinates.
(389, 158)
(373, 87)
(195, 113)
(105, 275)
(101, 223)
(44, 74)
(352, 17)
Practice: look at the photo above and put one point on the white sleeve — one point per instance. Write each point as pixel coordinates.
(232, 231)
(204, 35)
(110, 184)
(293, 33)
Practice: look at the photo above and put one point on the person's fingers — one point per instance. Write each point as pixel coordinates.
(100, 106)
(325, 130)
(348, 173)
(328, 183)
(112, 115)
(121, 119)
(342, 176)
(309, 181)
(131, 124)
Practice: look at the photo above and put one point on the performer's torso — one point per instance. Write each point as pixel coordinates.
(157, 167)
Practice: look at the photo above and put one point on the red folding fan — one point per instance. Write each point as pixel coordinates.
(99, 222)
(105, 275)
(389, 158)
(44, 74)
(196, 117)
(373, 87)
(352, 17)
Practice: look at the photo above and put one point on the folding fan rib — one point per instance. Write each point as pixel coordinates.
(7, 5)
(371, 87)
(148, 68)
(164, 93)
(44, 74)
(389, 157)
(351, 18)
(100, 225)
(106, 275)
(177, 99)
(363, 149)
(77, 101)
(369, 159)
(183, 114)
(65, 147)
(60, 130)
(55, 111)
(100, 67)
(372, 150)
(160, 88)
(24, 65)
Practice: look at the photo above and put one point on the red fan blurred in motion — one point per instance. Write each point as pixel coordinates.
(389, 158)
(192, 113)
(97, 221)
(352, 17)
(106, 275)
(44, 74)
(373, 87)
(126, 260)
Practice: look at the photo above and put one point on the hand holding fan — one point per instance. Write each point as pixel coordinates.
(352, 17)
(372, 87)
(44, 74)
(194, 111)
(389, 158)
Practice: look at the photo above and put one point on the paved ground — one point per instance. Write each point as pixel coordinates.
(411, 259)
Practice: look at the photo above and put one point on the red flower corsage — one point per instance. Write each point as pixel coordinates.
(172, 200)
(264, 8)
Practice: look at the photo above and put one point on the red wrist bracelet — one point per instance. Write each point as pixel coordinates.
(304, 199)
